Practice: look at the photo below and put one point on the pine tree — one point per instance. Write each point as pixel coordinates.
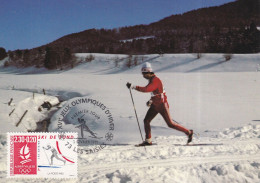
(3, 53)
(50, 58)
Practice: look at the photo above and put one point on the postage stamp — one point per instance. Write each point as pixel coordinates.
(41, 155)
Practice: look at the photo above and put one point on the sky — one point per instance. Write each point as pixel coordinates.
(26, 24)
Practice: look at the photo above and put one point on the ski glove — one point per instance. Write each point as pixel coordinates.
(149, 103)
(130, 86)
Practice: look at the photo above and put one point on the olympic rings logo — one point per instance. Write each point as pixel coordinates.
(24, 170)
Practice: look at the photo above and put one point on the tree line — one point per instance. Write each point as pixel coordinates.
(230, 28)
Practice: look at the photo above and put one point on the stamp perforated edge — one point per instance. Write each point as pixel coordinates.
(27, 177)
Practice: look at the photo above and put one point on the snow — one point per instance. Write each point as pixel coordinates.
(32, 104)
(142, 37)
(218, 99)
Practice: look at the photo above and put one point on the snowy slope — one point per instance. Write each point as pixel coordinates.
(185, 63)
(218, 99)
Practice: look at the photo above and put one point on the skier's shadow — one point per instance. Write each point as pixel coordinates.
(206, 66)
(174, 65)
(119, 144)
(199, 144)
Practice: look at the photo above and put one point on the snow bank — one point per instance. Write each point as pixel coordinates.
(30, 104)
(245, 132)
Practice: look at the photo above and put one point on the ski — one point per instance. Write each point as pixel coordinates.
(141, 145)
(199, 144)
(48, 166)
(95, 137)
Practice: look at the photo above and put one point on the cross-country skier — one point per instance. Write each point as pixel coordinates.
(54, 154)
(158, 104)
(84, 127)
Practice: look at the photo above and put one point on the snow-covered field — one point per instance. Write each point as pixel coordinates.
(220, 100)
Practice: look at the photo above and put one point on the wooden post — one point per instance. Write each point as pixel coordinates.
(21, 118)
(43, 91)
(9, 103)
(44, 126)
(11, 112)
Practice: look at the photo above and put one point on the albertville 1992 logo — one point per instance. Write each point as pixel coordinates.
(23, 156)
(91, 119)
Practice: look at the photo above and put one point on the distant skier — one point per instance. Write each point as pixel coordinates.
(54, 154)
(158, 104)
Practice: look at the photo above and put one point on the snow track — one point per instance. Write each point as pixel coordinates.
(238, 159)
(174, 162)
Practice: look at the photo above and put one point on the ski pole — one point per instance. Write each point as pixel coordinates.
(46, 156)
(136, 114)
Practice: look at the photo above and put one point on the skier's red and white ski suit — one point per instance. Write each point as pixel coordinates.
(159, 105)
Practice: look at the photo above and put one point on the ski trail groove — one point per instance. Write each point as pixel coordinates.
(178, 161)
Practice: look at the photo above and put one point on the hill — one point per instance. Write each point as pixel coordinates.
(205, 30)
(230, 28)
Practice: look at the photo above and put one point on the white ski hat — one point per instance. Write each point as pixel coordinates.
(147, 67)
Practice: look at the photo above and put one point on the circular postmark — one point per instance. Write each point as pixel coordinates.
(89, 117)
